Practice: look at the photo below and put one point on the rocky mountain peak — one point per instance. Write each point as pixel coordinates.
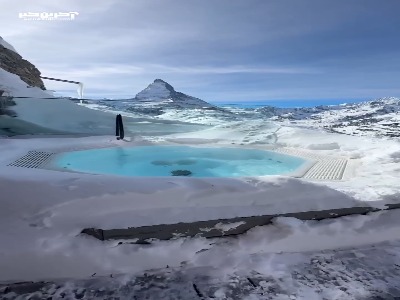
(161, 83)
(161, 93)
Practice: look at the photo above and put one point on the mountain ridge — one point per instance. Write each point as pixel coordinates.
(380, 117)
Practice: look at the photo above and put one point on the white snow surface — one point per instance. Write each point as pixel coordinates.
(42, 212)
(7, 45)
(14, 86)
(378, 117)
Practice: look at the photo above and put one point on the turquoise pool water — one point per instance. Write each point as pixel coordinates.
(178, 161)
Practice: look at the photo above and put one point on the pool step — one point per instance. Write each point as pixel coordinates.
(331, 169)
(325, 168)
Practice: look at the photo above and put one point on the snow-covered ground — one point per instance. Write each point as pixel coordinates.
(6, 45)
(14, 86)
(371, 118)
(43, 211)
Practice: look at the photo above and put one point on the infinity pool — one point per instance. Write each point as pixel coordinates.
(178, 161)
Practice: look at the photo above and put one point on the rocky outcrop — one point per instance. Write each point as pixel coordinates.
(12, 62)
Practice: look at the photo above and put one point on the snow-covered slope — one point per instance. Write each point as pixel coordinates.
(40, 111)
(379, 117)
(41, 229)
(35, 111)
(14, 63)
(7, 45)
(13, 86)
(163, 95)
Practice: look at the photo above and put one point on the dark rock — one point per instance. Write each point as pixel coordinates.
(181, 173)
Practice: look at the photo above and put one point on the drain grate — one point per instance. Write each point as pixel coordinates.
(33, 159)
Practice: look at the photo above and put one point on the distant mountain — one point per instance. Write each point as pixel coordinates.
(161, 95)
(379, 117)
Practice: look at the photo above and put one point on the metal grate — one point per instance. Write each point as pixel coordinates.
(33, 159)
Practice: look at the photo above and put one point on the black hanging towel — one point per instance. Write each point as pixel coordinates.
(119, 127)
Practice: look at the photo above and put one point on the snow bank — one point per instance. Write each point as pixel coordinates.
(328, 146)
(40, 231)
(255, 249)
(14, 86)
(372, 162)
(123, 202)
(42, 212)
(63, 115)
(7, 45)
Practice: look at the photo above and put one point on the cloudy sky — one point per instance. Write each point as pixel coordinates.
(217, 50)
